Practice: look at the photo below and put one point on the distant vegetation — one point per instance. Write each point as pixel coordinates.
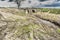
(56, 11)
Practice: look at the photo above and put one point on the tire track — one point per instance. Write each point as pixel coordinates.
(55, 23)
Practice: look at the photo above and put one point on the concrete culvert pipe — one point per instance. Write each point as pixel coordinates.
(33, 11)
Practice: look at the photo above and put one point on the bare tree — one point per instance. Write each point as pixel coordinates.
(18, 2)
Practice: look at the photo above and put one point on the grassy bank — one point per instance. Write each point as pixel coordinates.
(20, 26)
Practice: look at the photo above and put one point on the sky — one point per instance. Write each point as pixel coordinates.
(7, 4)
(33, 3)
(41, 3)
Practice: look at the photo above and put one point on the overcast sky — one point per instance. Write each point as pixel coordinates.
(40, 3)
(33, 3)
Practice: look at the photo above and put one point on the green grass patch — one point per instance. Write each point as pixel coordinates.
(58, 30)
(54, 11)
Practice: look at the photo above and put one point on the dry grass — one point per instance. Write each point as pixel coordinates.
(13, 11)
(48, 16)
(30, 27)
